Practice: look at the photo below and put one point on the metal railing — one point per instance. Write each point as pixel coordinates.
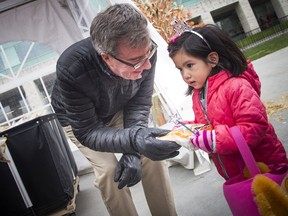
(260, 35)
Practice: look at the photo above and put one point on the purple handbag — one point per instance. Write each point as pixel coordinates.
(237, 190)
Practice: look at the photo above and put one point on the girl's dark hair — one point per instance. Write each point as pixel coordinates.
(230, 56)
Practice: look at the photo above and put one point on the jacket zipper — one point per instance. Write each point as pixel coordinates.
(205, 109)
(204, 105)
(222, 167)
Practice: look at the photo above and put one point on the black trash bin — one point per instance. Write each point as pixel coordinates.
(45, 164)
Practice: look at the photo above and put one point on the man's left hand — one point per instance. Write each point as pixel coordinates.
(128, 171)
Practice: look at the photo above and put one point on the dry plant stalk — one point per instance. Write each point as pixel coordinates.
(162, 13)
(276, 107)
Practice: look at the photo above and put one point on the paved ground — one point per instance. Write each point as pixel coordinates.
(273, 73)
(202, 195)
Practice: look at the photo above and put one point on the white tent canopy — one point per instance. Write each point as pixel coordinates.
(57, 27)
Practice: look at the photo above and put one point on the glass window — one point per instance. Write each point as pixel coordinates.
(27, 74)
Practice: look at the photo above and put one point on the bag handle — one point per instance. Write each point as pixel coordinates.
(245, 151)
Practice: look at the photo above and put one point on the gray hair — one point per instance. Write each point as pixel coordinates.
(119, 23)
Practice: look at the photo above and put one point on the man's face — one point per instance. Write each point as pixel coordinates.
(130, 62)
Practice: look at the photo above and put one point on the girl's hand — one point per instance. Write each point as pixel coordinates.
(205, 140)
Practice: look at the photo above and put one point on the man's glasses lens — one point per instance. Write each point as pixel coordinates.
(152, 51)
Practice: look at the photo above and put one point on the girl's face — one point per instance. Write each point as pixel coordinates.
(194, 71)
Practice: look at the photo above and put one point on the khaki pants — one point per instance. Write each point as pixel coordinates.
(155, 181)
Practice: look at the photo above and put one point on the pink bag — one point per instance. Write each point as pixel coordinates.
(237, 190)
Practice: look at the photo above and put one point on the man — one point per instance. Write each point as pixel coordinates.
(103, 93)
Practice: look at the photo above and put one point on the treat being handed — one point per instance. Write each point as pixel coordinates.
(181, 135)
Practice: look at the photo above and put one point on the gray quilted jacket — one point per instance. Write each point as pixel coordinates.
(86, 95)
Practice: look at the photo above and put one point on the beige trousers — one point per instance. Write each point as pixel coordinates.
(155, 180)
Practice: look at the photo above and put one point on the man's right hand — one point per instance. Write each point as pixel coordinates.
(146, 143)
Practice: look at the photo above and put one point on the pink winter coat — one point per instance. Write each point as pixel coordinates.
(236, 101)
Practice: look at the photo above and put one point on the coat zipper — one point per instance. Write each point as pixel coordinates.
(204, 104)
(205, 110)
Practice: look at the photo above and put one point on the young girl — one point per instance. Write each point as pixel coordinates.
(225, 92)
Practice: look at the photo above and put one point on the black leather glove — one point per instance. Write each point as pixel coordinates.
(145, 143)
(128, 171)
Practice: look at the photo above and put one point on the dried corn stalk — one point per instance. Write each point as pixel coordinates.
(162, 13)
(276, 107)
(272, 107)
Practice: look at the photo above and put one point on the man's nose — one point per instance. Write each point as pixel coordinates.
(147, 65)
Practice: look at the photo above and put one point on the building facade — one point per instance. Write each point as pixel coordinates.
(238, 18)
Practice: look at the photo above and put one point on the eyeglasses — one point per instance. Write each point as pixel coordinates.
(142, 62)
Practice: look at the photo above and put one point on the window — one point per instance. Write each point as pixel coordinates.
(27, 74)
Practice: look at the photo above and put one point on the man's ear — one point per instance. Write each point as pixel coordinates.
(105, 57)
(213, 58)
